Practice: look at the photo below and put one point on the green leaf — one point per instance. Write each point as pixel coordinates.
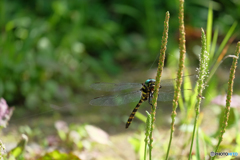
(58, 155)
(135, 142)
(19, 149)
(141, 116)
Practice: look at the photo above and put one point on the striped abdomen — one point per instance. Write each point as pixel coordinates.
(133, 113)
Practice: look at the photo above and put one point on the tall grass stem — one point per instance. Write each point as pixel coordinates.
(182, 47)
(229, 96)
(158, 77)
(202, 75)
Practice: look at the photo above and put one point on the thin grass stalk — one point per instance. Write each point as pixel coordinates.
(202, 75)
(229, 96)
(148, 125)
(220, 59)
(214, 42)
(182, 48)
(158, 77)
(197, 145)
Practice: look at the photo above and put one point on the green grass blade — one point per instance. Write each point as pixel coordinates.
(197, 146)
(214, 42)
(225, 40)
(201, 133)
(220, 49)
(209, 27)
(141, 116)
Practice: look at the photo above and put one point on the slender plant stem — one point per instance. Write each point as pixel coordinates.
(182, 47)
(229, 96)
(148, 125)
(157, 83)
(202, 74)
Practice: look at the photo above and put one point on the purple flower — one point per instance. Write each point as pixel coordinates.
(5, 113)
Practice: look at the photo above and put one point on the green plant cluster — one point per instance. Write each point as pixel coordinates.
(47, 49)
(50, 47)
(202, 75)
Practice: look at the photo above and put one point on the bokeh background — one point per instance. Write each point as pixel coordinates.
(52, 51)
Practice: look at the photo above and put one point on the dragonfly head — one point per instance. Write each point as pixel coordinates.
(150, 83)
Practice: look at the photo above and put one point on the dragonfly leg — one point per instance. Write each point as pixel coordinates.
(149, 99)
(151, 96)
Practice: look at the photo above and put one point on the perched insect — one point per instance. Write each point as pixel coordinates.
(166, 93)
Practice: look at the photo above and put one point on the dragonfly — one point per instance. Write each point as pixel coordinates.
(144, 93)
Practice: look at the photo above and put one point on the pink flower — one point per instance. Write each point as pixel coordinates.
(3, 108)
(221, 100)
(5, 112)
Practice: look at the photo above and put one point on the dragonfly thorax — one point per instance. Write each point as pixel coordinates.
(148, 89)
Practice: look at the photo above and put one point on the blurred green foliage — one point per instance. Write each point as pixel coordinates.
(50, 50)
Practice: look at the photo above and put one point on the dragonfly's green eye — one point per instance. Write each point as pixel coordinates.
(149, 80)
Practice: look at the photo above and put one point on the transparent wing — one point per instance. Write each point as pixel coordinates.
(166, 93)
(112, 87)
(117, 99)
(115, 87)
(167, 88)
(167, 82)
(165, 96)
(169, 95)
(171, 82)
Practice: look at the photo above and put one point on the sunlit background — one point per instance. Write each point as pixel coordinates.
(52, 51)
